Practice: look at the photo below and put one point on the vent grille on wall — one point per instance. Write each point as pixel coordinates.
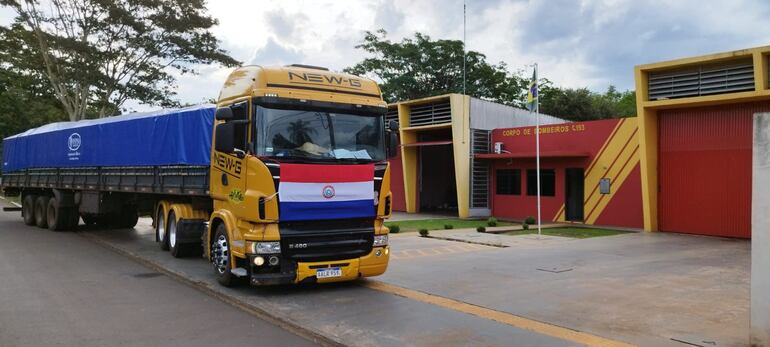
(430, 114)
(702, 80)
(479, 169)
(392, 114)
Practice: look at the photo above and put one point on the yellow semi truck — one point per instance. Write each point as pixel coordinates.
(294, 189)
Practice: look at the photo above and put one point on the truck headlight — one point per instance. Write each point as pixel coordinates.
(380, 240)
(265, 247)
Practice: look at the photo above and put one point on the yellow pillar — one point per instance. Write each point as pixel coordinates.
(408, 159)
(648, 155)
(760, 71)
(461, 149)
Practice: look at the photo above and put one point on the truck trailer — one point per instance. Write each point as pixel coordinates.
(284, 180)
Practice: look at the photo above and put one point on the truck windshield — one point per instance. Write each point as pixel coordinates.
(313, 135)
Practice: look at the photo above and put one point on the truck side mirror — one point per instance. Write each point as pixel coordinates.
(224, 140)
(392, 144)
(224, 113)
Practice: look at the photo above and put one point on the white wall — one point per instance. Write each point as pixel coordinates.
(760, 233)
(487, 115)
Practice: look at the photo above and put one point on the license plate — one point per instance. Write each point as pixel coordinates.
(330, 272)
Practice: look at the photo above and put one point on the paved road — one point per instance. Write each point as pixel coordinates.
(62, 289)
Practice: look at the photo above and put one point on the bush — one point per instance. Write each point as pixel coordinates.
(492, 221)
(530, 220)
(525, 226)
(394, 229)
(423, 232)
(449, 226)
(481, 229)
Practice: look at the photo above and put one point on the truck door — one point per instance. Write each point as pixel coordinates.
(228, 176)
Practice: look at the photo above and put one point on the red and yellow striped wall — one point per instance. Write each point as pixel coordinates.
(602, 149)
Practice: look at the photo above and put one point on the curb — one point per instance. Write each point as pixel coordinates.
(10, 202)
(281, 322)
(465, 241)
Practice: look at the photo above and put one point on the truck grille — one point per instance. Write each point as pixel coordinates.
(327, 240)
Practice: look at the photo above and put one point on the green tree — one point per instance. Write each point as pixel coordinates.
(420, 67)
(580, 104)
(97, 54)
(25, 103)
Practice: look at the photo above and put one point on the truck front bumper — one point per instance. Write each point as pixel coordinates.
(373, 264)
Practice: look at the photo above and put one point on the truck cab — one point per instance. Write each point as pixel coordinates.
(299, 177)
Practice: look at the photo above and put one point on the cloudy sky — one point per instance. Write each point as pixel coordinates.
(588, 43)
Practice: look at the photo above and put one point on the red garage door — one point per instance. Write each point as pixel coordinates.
(705, 169)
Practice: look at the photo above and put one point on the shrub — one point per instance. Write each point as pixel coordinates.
(394, 229)
(530, 220)
(525, 226)
(481, 229)
(423, 232)
(492, 221)
(448, 226)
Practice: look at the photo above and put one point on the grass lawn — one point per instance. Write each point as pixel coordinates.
(438, 224)
(578, 233)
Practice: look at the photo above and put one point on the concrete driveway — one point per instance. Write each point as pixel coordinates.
(649, 289)
(646, 289)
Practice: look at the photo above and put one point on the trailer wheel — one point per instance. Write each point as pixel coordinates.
(41, 211)
(128, 218)
(57, 217)
(28, 209)
(220, 257)
(160, 230)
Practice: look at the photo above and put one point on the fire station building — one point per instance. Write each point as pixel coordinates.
(683, 165)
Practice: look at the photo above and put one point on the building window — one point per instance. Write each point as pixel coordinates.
(547, 182)
(509, 182)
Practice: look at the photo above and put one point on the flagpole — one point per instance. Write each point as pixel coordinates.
(537, 152)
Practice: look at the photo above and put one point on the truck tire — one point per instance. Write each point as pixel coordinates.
(57, 217)
(28, 209)
(128, 218)
(161, 234)
(220, 257)
(177, 250)
(41, 209)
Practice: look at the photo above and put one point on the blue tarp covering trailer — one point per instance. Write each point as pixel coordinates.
(168, 137)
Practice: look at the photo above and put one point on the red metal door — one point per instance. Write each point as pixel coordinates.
(705, 169)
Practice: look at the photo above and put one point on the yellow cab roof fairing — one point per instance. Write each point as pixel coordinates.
(300, 83)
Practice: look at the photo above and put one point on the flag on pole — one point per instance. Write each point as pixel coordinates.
(532, 103)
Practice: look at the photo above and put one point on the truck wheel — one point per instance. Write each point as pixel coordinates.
(177, 250)
(41, 209)
(160, 230)
(28, 209)
(57, 217)
(129, 218)
(220, 257)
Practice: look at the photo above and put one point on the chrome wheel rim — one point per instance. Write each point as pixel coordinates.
(161, 226)
(172, 232)
(220, 254)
